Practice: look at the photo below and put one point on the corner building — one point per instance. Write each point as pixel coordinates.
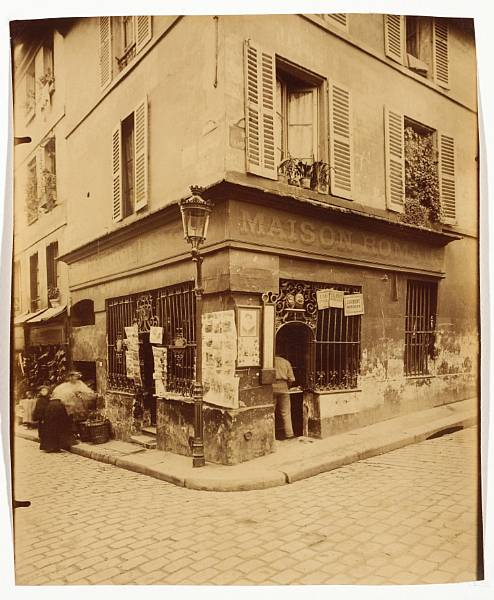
(300, 129)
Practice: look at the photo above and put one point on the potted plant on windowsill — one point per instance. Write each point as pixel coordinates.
(305, 171)
(54, 296)
(288, 171)
(320, 177)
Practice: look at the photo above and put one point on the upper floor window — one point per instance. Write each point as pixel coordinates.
(41, 188)
(420, 171)
(339, 20)
(30, 96)
(121, 39)
(52, 271)
(419, 43)
(287, 124)
(40, 79)
(130, 163)
(17, 287)
(34, 282)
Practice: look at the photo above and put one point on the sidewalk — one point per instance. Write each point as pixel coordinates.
(292, 461)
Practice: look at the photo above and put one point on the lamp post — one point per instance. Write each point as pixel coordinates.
(195, 220)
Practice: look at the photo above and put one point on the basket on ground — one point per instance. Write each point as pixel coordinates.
(96, 432)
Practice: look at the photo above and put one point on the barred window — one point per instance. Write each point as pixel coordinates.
(420, 325)
(337, 346)
(172, 308)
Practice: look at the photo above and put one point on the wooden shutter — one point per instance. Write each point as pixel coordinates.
(143, 32)
(141, 154)
(117, 173)
(340, 140)
(395, 160)
(260, 121)
(105, 51)
(440, 52)
(394, 37)
(338, 19)
(447, 187)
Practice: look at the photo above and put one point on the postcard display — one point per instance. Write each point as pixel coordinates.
(219, 353)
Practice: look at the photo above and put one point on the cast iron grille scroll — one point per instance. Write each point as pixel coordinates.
(336, 345)
(420, 326)
(176, 308)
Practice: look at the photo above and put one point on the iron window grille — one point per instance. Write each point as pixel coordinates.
(337, 346)
(420, 326)
(172, 308)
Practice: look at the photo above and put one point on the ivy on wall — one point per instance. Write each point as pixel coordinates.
(422, 204)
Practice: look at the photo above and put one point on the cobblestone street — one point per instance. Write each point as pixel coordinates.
(401, 518)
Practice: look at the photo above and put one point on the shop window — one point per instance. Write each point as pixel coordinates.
(34, 282)
(420, 171)
(82, 313)
(337, 347)
(419, 43)
(121, 39)
(172, 308)
(52, 271)
(130, 163)
(420, 325)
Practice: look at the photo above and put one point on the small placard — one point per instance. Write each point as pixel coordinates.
(156, 335)
(353, 304)
(329, 298)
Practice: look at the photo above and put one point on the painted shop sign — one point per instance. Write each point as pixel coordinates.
(336, 240)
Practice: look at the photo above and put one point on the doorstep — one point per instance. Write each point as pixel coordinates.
(293, 460)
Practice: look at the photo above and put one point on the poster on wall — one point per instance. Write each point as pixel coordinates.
(132, 362)
(160, 370)
(156, 335)
(248, 352)
(354, 304)
(219, 352)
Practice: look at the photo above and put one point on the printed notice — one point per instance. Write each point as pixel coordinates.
(156, 335)
(329, 298)
(353, 304)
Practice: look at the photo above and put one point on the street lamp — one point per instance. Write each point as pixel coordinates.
(195, 220)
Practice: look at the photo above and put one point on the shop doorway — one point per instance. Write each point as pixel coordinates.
(294, 342)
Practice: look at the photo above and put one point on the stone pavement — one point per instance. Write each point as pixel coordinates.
(293, 460)
(406, 517)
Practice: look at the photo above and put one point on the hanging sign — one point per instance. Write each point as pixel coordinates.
(155, 335)
(329, 298)
(353, 304)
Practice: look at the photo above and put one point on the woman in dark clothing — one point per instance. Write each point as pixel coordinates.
(57, 427)
(39, 413)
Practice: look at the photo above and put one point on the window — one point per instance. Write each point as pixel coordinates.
(52, 270)
(287, 124)
(130, 163)
(17, 287)
(337, 346)
(339, 20)
(419, 43)
(173, 308)
(48, 175)
(34, 282)
(30, 98)
(420, 325)
(121, 39)
(420, 171)
(32, 200)
(82, 313)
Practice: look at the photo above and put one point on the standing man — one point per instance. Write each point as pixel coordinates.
(284, 378)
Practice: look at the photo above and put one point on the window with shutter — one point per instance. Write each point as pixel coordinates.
(106, 53)
(441, 53)
(447, 185)
(260, 90)
(340, 141)
(395, 160)
(34, 282)
(394, 37)
(141, 154)
(117, 173)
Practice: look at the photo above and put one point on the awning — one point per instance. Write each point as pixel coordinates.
(47, 314)
(26, 317)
